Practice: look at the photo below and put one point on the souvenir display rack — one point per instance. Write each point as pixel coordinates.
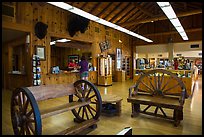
(36, 70)
(105, 71)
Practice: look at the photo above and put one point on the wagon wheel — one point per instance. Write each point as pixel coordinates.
(154, 83)
(86, 91)
(25, 114)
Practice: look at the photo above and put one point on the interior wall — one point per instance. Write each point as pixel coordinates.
(162, 48)
(29, 13)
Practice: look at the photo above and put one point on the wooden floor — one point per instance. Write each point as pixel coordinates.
(141, 125)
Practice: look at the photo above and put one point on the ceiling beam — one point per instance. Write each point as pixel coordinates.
(181, 14)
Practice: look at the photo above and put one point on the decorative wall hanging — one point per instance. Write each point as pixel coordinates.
(104, 46)
(41, 30)
(77, 23)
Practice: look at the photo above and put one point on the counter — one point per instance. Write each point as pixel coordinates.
(67, 77)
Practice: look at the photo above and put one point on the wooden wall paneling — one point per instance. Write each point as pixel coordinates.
(57, 21)
(48, 14)
(64, 22)
(48, 53)
(19, 12)
(28, 13)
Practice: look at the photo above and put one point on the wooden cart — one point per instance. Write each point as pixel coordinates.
(84, 101)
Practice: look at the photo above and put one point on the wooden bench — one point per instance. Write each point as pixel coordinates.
(151, 91)
(84, 102)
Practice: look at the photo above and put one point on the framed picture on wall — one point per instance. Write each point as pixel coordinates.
(40, 51)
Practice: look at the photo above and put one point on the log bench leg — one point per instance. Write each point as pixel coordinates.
(135, 109)
(178, 116)
(118, 108)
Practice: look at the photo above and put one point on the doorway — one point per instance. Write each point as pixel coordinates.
(14, 58)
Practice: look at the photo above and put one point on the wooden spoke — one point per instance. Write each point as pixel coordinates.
(78, 94)
(29, 113)
(20, 102)
(91, 108)
(147, 86)
(25, 106)
(159, 82)
(31, 127)
(171, 88)
(166, 84)
(151, 83)
(88, 92)
(155, 81)
(90, 111)
(162, 78)
(79, 110)
(91, 97)
(86, 112)
(30, 120)
(94, 102)
(27, 130)
(83, 113)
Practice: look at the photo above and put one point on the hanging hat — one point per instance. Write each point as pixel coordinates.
(41, 30)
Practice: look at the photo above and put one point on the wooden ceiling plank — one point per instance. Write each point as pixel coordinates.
(126, 15)
(100, 15)
(145, 11)
(116, 7)
(95, 8)
(83, 6)
(181, 14)
(134, 15)
(120, 12)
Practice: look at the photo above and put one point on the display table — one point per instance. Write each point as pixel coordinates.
(109, 99)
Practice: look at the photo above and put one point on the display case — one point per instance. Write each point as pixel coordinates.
(105, 71)
(126, 66)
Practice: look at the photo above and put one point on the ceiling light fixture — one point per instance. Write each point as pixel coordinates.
(63, 40)
(89, 16)
(59, 40)
(169, 12)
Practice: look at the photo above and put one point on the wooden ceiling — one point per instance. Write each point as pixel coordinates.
(146, 18)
